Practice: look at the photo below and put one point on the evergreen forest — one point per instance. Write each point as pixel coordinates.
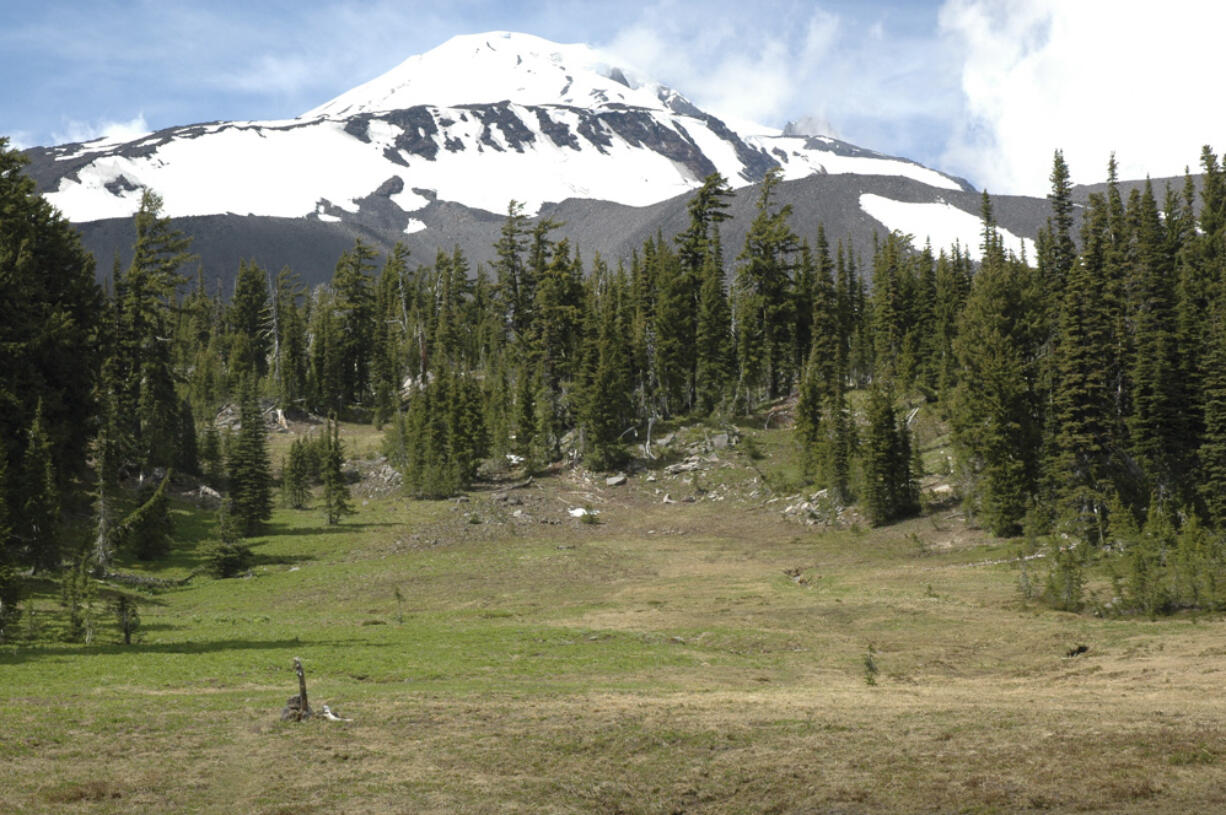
(1084, 388)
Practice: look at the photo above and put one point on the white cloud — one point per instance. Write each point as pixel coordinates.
(1087, 77)
(741, 65)
(19, 139)
(78, 131)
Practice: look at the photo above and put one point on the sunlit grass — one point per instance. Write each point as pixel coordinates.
(698, 657)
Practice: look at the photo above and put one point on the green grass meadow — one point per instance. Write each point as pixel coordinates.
(697, 657)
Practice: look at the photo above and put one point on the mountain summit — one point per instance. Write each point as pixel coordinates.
(502, 66)
(432, 152)
(480, 120)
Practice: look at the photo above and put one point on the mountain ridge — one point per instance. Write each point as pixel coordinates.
(433, 151)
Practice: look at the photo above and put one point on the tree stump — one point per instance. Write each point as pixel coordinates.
(297, 708)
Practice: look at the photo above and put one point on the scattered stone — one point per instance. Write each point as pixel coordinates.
(690, 465)
(667, 499)
(651, 478)
(615, 480)
(719, 441)
(582, 512)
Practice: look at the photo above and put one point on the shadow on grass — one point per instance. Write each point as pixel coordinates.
(277, 530)
(260, 559)
(19, 654)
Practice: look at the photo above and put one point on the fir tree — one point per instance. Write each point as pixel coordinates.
(997, 412)
(713, 338)
(40, 504)
(1063, 251)
(1212, 453)
(250, 317)
(326, 381)
(295, 476)
(50, 315)
(698, 295)
(353, 339)
(187, 456)
(516, 290)
(607, 409)
(144, 380)
(229, 556)
(392, 311)
(336, 491)
(148, 530)
(289, 339)
(10, 581)
(1157, 430)
(212, 458)
(249, 468)
(763, 302)
(1083, 401)
(891, 490)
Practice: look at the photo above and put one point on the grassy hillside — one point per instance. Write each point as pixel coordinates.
(497, 655)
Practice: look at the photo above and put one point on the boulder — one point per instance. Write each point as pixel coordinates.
(615, 480)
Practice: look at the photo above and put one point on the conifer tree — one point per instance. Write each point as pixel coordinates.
(763, 301)
(352, 342)
(1212, 453)
(392, 313)
(698, 295)
(50, 314)
(143, 368)
(326, 384)
(1063, 251)
(187, 456)
(289, 339)
(891, 308)
(295, 476)
(822, 378)
(890, 491)
(839, 444)
(607, 409)
(249, 468)
(148, 530)
(675, 329)
(1083, 403)
(997, 411)
(40, 504)
(1159, 435)
(250, 318)
(516, 291)
(10, 580)
(556, 339)
(713, 339)
(212, 458)
(336, 491)
(229, 556)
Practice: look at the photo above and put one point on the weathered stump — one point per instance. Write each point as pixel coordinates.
(297, 708)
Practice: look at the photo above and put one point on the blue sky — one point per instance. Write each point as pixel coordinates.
(983, 88)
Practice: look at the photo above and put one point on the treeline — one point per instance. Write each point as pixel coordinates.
(1085, 387)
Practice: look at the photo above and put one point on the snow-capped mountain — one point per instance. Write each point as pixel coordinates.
(431, 152)
(480, 120)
